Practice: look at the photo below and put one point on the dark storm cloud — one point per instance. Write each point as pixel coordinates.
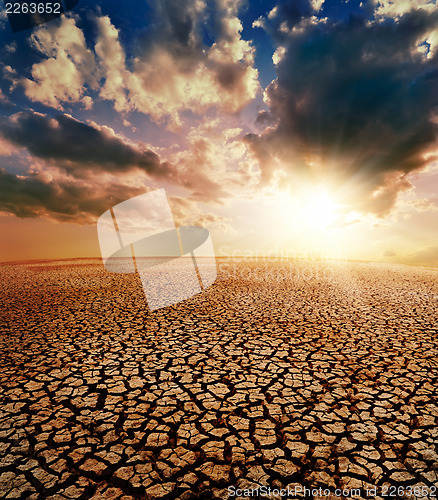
(62, 200)
(65, 139)
(285, 16)
(175, 26)
(84, 153)
(359, 96)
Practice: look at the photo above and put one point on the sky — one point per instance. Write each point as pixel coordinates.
(298, 128)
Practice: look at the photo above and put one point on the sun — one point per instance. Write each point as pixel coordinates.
(317, 210)
(312, 210)
(305, 221)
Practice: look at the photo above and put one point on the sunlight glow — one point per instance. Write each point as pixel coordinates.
(313, 209)
(318, 210)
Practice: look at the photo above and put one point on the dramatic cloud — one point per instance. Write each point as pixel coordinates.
(41, 195)
(75, 169)
(354, 105)
(64, 198)
(171, 71)
(67, 158)
(77, 146)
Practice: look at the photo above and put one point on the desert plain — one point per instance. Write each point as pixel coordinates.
(317, 376)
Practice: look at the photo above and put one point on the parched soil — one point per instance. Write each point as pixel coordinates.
(304, 374)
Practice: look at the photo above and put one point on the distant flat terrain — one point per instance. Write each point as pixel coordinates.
(316, 374)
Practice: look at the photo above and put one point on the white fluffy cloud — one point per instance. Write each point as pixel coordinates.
(396, 8)
(163, 82)
(68, 67)
(166, 76)
(317, 4)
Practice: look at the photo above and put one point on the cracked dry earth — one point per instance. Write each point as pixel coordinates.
(305, 373)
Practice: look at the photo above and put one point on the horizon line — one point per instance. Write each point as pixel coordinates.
(241, 258)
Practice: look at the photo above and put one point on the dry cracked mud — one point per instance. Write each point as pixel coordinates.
(301, 374)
